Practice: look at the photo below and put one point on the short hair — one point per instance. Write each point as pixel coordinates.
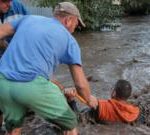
(123, 89)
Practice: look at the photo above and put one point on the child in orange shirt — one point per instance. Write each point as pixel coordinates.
(116, 109)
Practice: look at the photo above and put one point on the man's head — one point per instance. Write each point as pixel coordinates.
(4, 5)
(69, 15)
(122, 89)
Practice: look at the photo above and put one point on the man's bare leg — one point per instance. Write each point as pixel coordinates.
(71, 132)
(16, 131)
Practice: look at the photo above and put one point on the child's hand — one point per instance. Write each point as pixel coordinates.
(70, 92)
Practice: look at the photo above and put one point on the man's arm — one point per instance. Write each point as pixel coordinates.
(6, 30)
(82, 84)
(80, 81)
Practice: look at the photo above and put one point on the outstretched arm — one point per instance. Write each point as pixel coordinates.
(82, 85)
(80, 81)
(58, 84)
(6, 30)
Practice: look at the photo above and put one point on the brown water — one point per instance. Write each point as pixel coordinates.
(108, 56)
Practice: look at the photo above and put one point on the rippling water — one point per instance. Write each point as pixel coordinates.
(108, 56)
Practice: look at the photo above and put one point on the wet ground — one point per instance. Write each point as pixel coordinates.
(107, 57)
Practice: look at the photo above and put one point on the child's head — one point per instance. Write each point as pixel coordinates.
(122, 89)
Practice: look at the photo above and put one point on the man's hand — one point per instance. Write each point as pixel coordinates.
(93, 102)
(72, 93)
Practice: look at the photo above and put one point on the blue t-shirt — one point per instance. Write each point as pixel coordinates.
(39, 45)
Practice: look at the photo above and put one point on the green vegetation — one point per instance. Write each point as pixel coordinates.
(136, 7)
(98, 12)
(94, 12)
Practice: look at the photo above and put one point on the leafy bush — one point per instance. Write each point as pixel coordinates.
(93, 12)
(134, 7)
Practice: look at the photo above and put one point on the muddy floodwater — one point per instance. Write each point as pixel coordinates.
(107, 57)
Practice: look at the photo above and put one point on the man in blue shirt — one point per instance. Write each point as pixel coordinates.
(10, 10)
(38, 46)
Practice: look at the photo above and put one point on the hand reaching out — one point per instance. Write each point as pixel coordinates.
(93, 102)
(71, 93)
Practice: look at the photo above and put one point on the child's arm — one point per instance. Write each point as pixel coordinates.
(71, 93)
(58, 84)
